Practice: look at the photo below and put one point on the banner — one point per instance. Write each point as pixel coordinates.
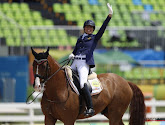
(14, 68)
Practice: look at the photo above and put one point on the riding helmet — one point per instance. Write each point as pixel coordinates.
(89, 23)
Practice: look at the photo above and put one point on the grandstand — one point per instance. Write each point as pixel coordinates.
(18, 19)
(136, 24)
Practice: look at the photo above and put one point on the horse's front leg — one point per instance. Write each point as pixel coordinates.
(49, 120)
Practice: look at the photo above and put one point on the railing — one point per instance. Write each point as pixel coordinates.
(23, 113)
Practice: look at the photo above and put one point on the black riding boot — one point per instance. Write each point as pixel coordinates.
(90, 111)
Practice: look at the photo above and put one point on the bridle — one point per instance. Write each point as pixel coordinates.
(46, 78)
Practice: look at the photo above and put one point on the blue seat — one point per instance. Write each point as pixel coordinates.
(148, 7)
(137, 2)
(93, 2)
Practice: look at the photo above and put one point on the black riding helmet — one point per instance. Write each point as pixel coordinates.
(89, 23)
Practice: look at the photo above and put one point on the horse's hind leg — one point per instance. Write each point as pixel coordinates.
(50, 120)
(114, 119)
(115, 113)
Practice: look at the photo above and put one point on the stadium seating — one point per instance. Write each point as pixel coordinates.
(17, 20)
(146, 75)
(22, 18)
(126, 13)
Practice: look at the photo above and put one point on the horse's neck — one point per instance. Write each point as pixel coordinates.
(54, 66)
(57, 85)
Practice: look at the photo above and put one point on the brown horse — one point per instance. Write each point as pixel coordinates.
(60, 102)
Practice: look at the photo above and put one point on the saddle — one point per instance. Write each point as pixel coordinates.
(93, 82)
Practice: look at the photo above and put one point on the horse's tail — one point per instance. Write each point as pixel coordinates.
(137, 107)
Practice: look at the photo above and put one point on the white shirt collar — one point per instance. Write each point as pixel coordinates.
(84, 35)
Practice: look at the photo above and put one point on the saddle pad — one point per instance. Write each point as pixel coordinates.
(96, 86)
(95, 83)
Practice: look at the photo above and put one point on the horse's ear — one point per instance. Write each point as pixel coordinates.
(33, 52)
(47, 51)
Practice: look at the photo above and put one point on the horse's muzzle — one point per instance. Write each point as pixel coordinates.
(37, 85)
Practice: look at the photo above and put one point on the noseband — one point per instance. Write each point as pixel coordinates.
(41, 62)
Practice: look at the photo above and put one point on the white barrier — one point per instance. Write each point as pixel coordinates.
(21, 112)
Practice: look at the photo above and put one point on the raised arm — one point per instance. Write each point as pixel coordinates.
(105, 23)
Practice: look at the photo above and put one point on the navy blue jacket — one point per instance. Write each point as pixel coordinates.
(87, 45)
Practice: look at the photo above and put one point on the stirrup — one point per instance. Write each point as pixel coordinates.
(89, 112)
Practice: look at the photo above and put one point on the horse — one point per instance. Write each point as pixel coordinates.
(60, 102)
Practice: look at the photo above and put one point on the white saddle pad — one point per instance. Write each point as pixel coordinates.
(94, 82)
(96, 86)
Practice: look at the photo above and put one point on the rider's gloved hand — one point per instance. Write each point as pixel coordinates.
(110, 9)
(71, 56)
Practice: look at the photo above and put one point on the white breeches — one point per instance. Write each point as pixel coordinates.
(82, 69)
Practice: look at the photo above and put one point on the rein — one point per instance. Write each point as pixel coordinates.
(68, 60)
(43, 84)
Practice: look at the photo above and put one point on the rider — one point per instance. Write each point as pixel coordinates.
(83, 56)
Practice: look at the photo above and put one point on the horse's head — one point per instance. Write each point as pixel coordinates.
(40, 69)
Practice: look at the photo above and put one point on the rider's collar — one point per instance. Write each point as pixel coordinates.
(84, 35)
